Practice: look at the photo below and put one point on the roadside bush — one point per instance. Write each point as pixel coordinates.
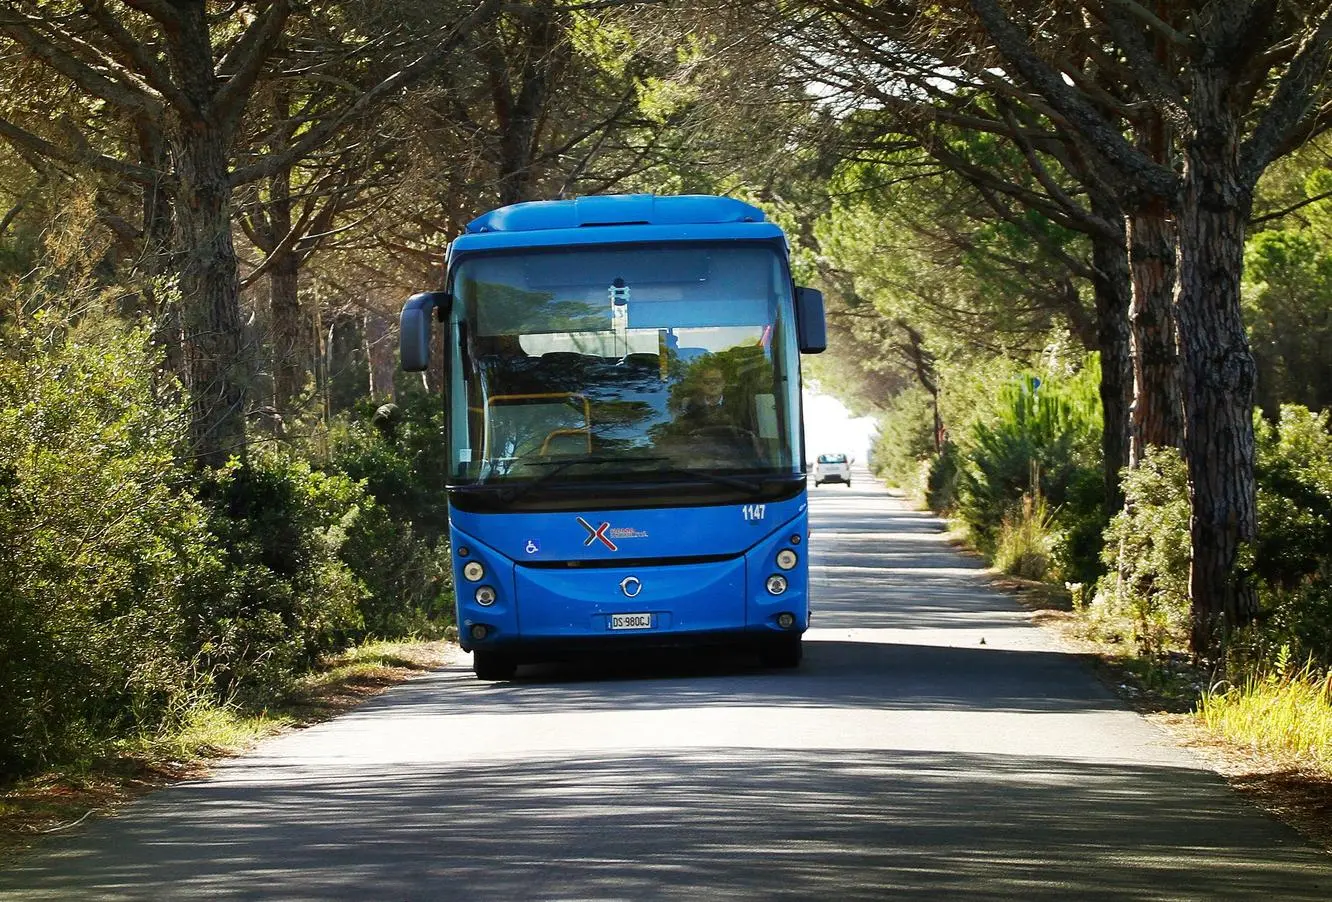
(1041, 439)
(1144, 595)
(941, 478)
(1147, 545)
(402, 458)
(1293, 560)
(274, 592)
(905, 442)
(1025, 543)
(95, 534)
(398, 547)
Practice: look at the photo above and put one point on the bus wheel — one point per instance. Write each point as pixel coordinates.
(491, 665)
(784, 652)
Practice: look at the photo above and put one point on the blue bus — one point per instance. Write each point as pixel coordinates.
(626, 452)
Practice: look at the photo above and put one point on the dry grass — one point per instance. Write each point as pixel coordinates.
(1285, 715)
(62, 799)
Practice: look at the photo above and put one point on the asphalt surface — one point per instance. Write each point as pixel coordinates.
(934, 745)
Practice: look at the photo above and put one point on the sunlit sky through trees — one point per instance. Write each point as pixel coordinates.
(830, 428)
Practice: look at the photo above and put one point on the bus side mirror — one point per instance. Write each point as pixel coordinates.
(811, 329)
(414, 328)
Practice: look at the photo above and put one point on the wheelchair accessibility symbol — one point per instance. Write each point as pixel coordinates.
(531, 547)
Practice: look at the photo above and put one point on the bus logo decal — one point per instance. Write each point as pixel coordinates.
(631, 586)
(597, 533)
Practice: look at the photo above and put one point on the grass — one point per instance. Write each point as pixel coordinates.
(1289, 717)
(1025, 541)
(68, 794)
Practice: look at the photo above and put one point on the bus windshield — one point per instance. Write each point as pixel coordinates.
(632, 363)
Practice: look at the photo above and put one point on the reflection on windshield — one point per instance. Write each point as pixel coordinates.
(621, 355)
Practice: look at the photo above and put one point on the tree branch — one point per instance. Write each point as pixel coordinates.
(118, 93)
(403, 78)
(1139, 172)
(1292, 101)
(242, 64)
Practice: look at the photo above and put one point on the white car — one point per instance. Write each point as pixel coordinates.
(832, 468)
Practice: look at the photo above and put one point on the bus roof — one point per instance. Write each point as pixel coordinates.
(615, 218)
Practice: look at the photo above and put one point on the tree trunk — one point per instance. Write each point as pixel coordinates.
(380, 351)
(1157, 415)
(1219, 370)
(211, 317)
(1111, 287)
(155, 253)
(291, 337)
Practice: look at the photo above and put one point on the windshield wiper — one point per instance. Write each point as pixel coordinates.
(509, 494)
(735, 482)
(512, 493)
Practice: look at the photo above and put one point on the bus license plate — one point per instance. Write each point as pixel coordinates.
(631, 621)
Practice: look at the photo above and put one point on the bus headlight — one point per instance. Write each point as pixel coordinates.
(786, 558)
(485, 596)
(776, 584)
(473, 571)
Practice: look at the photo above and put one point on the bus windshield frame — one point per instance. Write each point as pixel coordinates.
(623, 368)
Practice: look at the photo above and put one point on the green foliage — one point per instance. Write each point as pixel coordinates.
(137, 592)
(905, 442)
(1288, 304)
(941, 480)
(403, 462)
(1147, 545)
(274, 593)
(398, 547)
(1025, 544)
(1293, 559)
(94, 535)
(1040, 438)
(1144, 595)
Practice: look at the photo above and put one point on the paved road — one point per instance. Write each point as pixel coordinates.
(905, 759)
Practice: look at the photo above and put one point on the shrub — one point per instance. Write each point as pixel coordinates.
(1147, 545)
(403, 462)
(1041, 439)
(1293, 558)
(1025, 543)
(95, 534)
(398, 547)
(905, 441)
(1146, 586)
(275, 593)
(941, 478)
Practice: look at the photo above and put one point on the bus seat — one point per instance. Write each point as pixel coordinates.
(561, 358)
(567, 441)
(642, 361)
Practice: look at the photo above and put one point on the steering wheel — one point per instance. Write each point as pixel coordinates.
(736, 438)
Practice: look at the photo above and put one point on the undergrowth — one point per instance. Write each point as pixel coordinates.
(1287, 713)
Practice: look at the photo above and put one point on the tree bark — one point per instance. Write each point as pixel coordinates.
(1157, 415)
(291, 336)
(217, 360)
(156, 252)
(379, 350)
(1219, 368)
(1111, 288)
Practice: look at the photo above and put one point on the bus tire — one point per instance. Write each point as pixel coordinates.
(784, 652)
(491, 665)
